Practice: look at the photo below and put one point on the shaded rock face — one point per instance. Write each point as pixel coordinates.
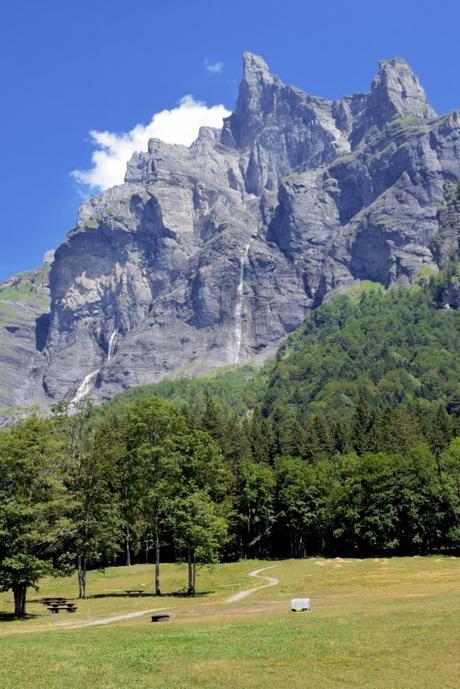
(209, 255)
(24, 324)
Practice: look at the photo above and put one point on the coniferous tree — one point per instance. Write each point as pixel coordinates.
(319, 442)
(341, 436)
(363, 427)
(398, 430)
(441, 431)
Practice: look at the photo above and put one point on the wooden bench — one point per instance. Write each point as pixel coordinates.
(53, 600)
(134, 592)
(160, 618)
(56, 608)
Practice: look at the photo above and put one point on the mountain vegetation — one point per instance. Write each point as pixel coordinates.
(348, 443)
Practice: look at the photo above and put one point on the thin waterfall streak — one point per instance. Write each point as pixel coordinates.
(111, 345)
(85, 386)
(238, 332)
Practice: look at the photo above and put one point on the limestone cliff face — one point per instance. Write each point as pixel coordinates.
(209, 255)
(24, 319)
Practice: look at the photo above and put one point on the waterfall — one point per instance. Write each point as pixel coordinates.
(238, 332)
(88, 381)
(85, 386)
(111, 344)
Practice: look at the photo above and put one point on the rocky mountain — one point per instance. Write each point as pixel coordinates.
(210, 255)
(24, 320)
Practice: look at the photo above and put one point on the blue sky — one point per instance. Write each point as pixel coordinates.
(67, 68)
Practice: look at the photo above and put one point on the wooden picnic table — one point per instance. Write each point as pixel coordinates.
(55, 608)
(53, 600)
(134, 592)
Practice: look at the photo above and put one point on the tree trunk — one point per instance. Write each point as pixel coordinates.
(157, 561)
(19, 592)
(128, 548)
(191, 574)
(81, 565)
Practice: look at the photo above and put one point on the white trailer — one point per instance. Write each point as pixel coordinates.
(300, 604)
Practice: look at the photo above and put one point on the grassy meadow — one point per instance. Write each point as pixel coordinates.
(374, 624)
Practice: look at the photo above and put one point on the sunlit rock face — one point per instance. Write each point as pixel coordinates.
(209, 255)
(24, 323)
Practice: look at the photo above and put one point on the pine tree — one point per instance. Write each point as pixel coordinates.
(341, 436)
(363, 430)
(319, 442)
(441, 431)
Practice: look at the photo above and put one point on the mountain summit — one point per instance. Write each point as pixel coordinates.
(396, 92)
(210, 254)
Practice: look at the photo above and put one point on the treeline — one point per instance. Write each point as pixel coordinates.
(399, 346)
(347, 444)
(379, 482)
(153, 482)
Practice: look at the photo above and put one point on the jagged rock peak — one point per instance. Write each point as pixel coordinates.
(397, 92)
(255, 69)
(209, 255)
(256, 97)
(257, 86)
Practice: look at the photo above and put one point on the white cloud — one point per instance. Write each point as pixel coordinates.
(213, 67)
(177, 126)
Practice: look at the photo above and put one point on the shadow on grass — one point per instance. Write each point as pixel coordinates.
(9, 617)
(184, 594)
(175, 594)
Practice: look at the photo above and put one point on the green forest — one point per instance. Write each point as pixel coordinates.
(347, 443)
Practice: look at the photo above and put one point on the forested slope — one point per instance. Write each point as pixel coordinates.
(391, 347)
(347, 444)
(395, 346)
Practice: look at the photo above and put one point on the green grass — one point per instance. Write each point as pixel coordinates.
(355, 292)
(22, 292)
(235, 387)
(106, 592)
(93, 222)
(23, 297)
(375, 624)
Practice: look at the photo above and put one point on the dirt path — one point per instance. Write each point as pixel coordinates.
(113, 618)
(271, 581)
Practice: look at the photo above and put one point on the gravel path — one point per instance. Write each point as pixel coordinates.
(271, 581)
(107, 620)
(120, 618)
